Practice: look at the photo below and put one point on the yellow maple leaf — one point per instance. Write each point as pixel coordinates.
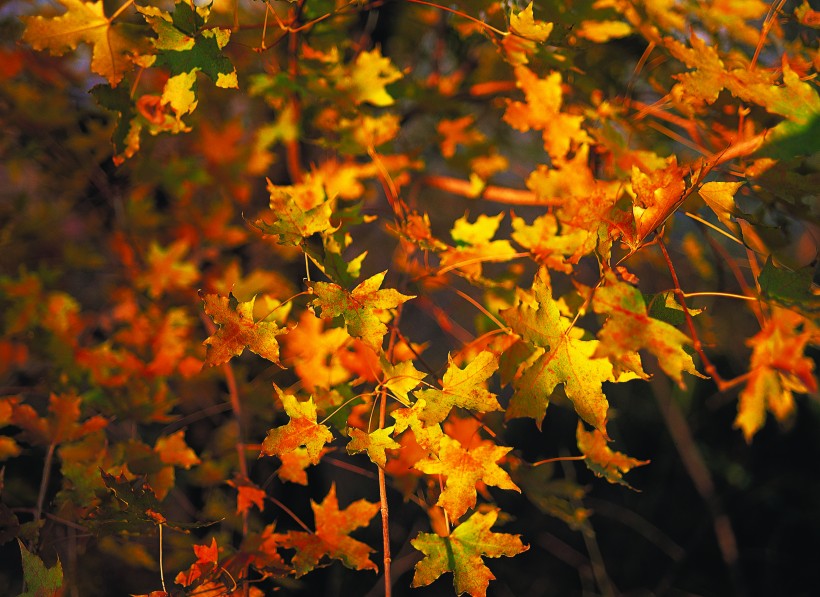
(85, 22)
(371, 73)
(525, 25)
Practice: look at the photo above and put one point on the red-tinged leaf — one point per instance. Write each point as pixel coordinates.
(463, 469)
(332, 537)
(560, 357)
(248, 494)
(260, 550)
(601, 460)
(374, 444)
(206, 565)
(465, 388)
(60, 426)
(629, 328)
(658, 194)
(237, 331)
(39, 580)
(778, 367)
(360, 307)
(167, 270)
(173, 450)
(461, 553)
(302, 430)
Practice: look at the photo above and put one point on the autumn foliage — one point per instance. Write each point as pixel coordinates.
(381, 290)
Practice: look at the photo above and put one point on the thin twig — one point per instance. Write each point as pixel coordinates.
(711, 370)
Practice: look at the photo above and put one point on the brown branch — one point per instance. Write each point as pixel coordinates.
(498, 194)
(698, 471)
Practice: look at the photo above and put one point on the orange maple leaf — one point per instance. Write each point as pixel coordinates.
(302, 430)
(601, 460)
(332, 537)
(237, 331)
(779, 367)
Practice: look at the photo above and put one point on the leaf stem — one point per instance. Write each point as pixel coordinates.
(696, 343)
(724, 294)
(161, 568)
(697, 218)
(120, 10)
(558, 459)
(41, 494)
(463, 15)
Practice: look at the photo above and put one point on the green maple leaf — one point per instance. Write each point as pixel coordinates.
(302, 430)
(184, 46)
(374, 444)
(463, 469)
(359, 307)
(629, 328)
(237, 331)
(461, 553)
(461, 387)
(332, 537)
(559, 357)
(39, 580)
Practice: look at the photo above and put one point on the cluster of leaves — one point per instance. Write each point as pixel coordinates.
(385, 321)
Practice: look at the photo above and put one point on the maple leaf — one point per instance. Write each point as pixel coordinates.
(185, 47)
(294, 464)
(475, 245)
(542, 112)
(720, 197)
(629, 328)
(601, 460)
(166, 270)
(560, 357)
(461, 387)
(302, 430)
(299, 211)
(332, 537)
(206, 565)
(237, 331)
(315, 353)
(525, 25)
(457, 132)
(400, 378)
(62, 424)
(174, 451)
(39, 580)
(370, 74)
(461, 553)
(778, 368)
(359, 307)
(549, 247)
(112, 46)
(428, 437)
(374, 444)
(657, 195)
(463, 469)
